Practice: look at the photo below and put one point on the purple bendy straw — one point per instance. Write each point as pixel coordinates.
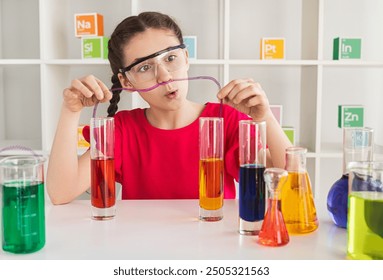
(165, 83)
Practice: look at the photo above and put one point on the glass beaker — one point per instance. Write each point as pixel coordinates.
(23, 211)
(274, 231)
(252, 162)
(297, 199)
(357, 146)
(365, 217)
(103, 184)
(211, 168)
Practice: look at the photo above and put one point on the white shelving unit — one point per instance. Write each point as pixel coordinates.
(39, 56)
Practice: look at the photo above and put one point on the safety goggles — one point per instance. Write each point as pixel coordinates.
(145, 69)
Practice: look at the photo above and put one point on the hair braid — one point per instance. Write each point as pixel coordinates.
(113, 107)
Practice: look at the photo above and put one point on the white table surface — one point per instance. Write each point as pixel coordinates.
(169, 229)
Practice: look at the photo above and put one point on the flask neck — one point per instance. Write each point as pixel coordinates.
(274, 194)
(357, 146)
(296, 159)
(275, 178)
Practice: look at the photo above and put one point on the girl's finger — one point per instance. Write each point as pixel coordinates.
(106, 92)
(226, 90)
(77, 85)
(244, 91)
(94, 85)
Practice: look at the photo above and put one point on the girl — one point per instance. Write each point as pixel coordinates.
(156, 149)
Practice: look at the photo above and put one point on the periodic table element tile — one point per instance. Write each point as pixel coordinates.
(290, 133)
(94, 47)
(89, 24)
(350, 116)
(347, 48)
(273, 48)
(277, 111)
(191, 46)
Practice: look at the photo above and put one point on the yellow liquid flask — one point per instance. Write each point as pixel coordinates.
(297, 202)
(274, 232)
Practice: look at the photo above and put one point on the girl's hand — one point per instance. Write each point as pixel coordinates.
(85, 92)
(247, 97)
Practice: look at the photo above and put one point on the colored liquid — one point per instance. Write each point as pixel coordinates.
(298, 206)
(103, 189)
(23, 217)
(337, 200)
(362, 182)
(274, 231)
(365, 226)
(251, 193)
(211, 183)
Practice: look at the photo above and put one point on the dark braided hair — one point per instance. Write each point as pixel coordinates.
(121, 36)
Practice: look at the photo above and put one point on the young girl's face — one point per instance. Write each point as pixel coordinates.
(172, 64)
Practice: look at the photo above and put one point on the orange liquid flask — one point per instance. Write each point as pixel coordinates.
(297, 201)
(274, 231)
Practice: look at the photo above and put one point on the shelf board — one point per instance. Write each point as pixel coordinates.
(311, 155)
(329, 155)
(280, 62)
(348, 63)
(207, 61)
(76, 62)
(324, 155)
(193, 61)
(20, 61)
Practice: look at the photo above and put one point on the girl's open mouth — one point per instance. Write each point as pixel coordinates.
(172, 94)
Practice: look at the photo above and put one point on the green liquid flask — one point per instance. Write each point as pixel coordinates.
(365, 214)
(22, 203)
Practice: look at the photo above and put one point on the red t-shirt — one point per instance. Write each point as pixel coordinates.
(153, 163)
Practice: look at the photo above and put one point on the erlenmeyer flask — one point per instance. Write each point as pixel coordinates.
(357, 146)
(274, 231)
(297, 201)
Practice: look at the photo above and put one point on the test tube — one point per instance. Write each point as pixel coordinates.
(252, 158)
(211, 168)
(103, 189)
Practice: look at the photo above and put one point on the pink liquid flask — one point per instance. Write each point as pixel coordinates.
(274, 232)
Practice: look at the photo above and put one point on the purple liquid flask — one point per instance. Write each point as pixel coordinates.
(274, 232)
(357, 146)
